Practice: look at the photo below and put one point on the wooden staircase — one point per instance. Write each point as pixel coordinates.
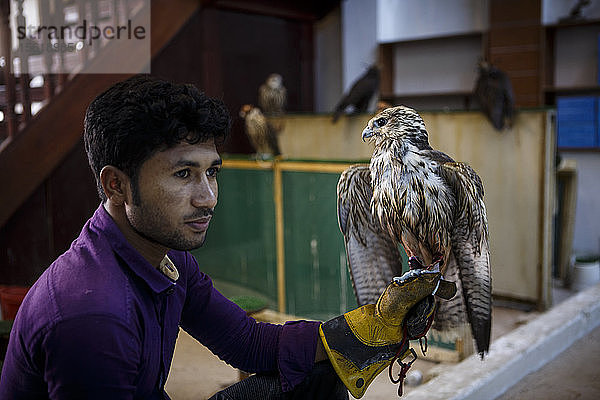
(33, 145)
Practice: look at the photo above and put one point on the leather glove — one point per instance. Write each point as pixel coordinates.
(363, 342)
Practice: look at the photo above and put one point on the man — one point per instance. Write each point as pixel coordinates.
(101, 322)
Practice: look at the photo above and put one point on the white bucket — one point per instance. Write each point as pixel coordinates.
(586, 272)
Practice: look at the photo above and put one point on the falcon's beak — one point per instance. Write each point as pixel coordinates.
(367, 133)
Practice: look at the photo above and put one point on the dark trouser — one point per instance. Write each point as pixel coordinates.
(322, 383)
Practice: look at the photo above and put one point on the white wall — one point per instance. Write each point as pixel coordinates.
(436, 66)
(418, 19)
(553, 10)
(586, 238)
(359, 39)
(328, 68)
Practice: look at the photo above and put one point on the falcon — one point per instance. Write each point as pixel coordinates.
(421, 199)
(272, 96)
(494, 93)
(260, 133)
(272, 99)
(360, 94)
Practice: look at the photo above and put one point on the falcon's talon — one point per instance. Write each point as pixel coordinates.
(436, 265)
(415, 263)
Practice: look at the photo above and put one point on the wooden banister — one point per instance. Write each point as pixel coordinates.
(26, 159)
(24, 69)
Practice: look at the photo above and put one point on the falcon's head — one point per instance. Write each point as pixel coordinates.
(397, 124)
(245, 110)
(274, 81)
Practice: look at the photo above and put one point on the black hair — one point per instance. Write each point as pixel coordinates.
(138, 117)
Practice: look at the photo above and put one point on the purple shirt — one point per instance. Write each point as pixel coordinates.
(101, 322)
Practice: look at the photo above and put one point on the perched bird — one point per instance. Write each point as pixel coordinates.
(417, 197)
(360, 94)
(272, 100)
(272, 96)
(494, 92)
(261, 135)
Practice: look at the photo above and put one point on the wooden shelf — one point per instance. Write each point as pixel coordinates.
(580, 149)
(457, 100)
(462, 35)
(425, 95)
(572, 90)
(573, 24)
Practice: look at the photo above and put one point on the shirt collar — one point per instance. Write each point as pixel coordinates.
(156, 280)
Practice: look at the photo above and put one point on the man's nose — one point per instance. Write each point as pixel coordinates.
(205, 194)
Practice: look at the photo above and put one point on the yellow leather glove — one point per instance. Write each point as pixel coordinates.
(363, 342)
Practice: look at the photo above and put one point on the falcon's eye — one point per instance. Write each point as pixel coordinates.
(379, 122)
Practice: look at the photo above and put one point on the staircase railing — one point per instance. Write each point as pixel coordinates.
(37, 147)
(36, 61)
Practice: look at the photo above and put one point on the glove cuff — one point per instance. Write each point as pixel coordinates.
(357, 353)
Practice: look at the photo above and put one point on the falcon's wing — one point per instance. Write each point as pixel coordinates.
(272, 140)
(509, 100)
(258, 130)
(494, 92)
(263, 98)
(470, 248)
(373, 257)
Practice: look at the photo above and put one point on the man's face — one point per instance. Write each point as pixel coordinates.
(178, 192)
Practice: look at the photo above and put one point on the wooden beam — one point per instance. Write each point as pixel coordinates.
(279, 235)
(515, 46)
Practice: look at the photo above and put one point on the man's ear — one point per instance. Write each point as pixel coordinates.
(116, 185)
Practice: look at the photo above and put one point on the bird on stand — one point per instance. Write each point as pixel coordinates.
(272, 95)
(494, 92)
(261, 134)
(272, 100)
(417, 197)
(360, 94)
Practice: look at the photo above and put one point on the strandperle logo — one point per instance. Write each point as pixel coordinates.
(86, 32)
(81, 37)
